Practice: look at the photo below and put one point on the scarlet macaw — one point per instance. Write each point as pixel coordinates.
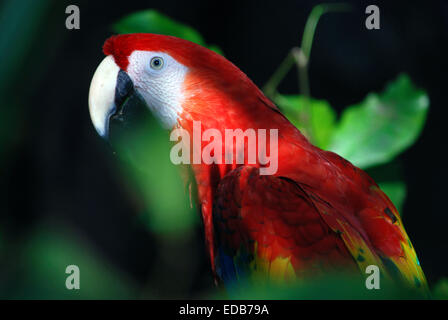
(318, 213)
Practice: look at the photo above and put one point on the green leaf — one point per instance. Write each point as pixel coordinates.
(151, 21)
(382, 126)
(396, 191)
(144, 148)
(42, 262)
(329, 286)
(440, 291)
(322, 117)
(389, 177)
(216, 49)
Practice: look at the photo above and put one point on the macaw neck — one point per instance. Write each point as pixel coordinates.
(254, 115)
(213, 128)
(213, 115)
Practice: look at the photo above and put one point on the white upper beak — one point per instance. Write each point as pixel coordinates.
(102, 94)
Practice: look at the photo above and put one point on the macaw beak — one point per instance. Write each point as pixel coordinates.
(109, 90)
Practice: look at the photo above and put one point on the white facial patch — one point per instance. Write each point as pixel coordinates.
(160, 87)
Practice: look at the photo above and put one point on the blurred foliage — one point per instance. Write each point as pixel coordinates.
(396, 190)
(440, 290)
(18, 20)
(40, 270)
(143, 147)
(333, 287)
(389, 177)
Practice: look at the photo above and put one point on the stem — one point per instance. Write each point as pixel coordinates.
(271, 86)
(313, 19)
(308, 35)
(302, 69)
(304, 56)
(301, 56)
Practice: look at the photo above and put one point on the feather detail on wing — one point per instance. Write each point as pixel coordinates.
(274, 229)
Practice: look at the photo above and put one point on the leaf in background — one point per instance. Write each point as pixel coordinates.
(216, 49)
(396, 191)
(15, 44)
(389, 177)
(144, 148)
(328, 287)
(151, 21)
(322, 117)
(382, 126)
(440, 291)
(40, 271)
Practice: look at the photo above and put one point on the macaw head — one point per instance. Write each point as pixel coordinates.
(167, 73)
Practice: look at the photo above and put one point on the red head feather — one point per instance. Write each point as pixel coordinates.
(185, 52)
(122, 46)
(202, 61)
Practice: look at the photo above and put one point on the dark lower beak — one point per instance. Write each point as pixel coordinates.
(123, 90)
(130, 109)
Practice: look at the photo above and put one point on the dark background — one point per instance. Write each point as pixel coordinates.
(56, 168)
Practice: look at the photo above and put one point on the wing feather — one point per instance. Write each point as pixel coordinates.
(273, 228)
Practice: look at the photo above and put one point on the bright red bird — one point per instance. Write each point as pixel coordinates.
(316, 214)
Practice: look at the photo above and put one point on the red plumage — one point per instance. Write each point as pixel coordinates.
(318, 210)
(280, 218)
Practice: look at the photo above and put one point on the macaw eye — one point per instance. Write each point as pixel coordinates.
(156, 63)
